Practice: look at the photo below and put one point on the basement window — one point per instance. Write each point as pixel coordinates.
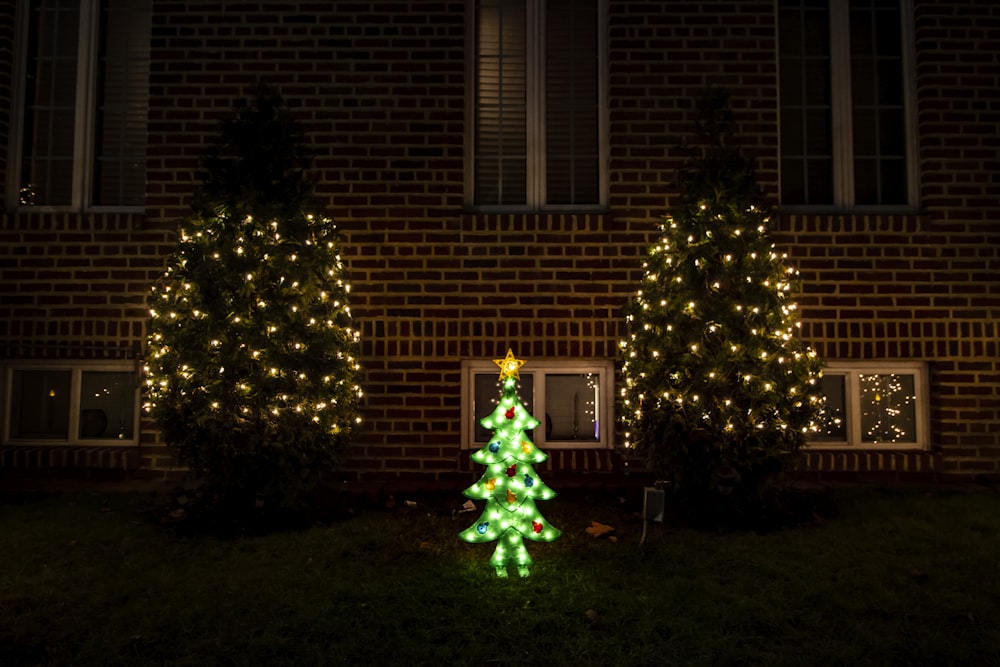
(573, 400)
(71, 403)
(874, 406)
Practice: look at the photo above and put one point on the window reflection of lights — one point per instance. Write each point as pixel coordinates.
(885, 406)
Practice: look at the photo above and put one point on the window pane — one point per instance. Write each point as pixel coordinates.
(501, 102)
(571, 103)
(888, 408)
(833, 421)
(40, 404)
(50, 99)
(122, 105)
(806, 103)
(892, 180)
(572, 406)
(488, 391)
(107, 405)
(877, 97)
(819, 181)
(866, 181)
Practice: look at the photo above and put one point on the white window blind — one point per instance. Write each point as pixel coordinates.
(572, 111)
(501, 102)
(123, 104)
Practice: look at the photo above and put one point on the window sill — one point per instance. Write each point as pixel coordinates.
(35, 217)
(855, 220)
(573, 209)
(867, 447)
(68, 457)
(40, 443)
(480, 220)
(76, 210)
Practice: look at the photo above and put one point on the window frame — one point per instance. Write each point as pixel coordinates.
(535, 166)
(76, 370)
(538, 369)
(85, 149)
(854, 440)
(841, 115)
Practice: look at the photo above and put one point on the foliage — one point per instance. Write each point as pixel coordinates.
(250, 363)
(719, 394)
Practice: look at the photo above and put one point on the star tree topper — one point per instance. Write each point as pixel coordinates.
(509, 366)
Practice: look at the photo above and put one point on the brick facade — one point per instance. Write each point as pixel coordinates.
(381, 90)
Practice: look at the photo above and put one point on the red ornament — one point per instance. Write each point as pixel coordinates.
(535, 526)
(511, 471)
(509, 414)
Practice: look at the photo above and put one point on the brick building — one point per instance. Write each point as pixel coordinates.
(497, 169)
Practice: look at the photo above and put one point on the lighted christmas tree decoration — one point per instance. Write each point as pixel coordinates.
(251, 363)
(718, 389)
(510, 486)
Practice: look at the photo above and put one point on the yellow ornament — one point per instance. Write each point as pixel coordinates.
(509, 366)
(526, 447)
(491, 483)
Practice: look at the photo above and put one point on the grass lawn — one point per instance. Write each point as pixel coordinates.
(891, 577)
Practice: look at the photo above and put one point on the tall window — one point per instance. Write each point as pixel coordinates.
(846, 132)
(84, 103)
(539, 107)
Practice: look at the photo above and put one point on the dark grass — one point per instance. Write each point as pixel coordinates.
(887, 577)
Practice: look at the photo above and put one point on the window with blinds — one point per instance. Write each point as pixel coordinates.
(85, 103)
(538, 108)
(122, 103)
(846, 134)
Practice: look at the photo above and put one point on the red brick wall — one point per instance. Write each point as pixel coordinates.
(380, 88)
(927, 286)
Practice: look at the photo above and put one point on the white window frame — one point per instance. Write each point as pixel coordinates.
(538, 369)
(76, 370)
(852, 399)
(84, 130)
(842, 121)
(535, 167)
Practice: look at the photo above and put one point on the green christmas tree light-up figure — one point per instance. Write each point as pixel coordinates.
(718, 392)
(510, 485)
(251, 365)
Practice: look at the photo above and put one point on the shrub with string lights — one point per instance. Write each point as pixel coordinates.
(251, 368)
(719, 394)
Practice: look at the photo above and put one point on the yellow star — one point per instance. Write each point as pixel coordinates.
(509, 366)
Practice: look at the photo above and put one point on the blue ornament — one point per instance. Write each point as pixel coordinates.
(529, 481)
(495, 447)
(482, 528)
